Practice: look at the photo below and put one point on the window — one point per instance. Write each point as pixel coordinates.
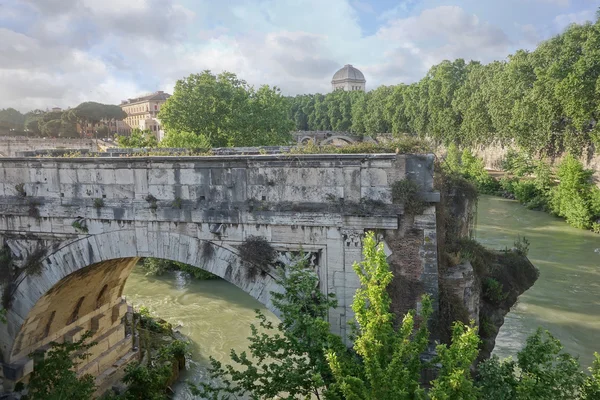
(155, 107)
(101, 299)
(75, 314)
(49, 325)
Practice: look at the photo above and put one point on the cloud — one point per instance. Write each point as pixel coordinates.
(446, 32)
(58, 59)
(363, 6)
(560, 3)
(62, 52)
(563, 20)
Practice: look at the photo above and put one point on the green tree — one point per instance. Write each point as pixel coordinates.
(138, 139)
(185, 140)
(146, 382)
(227, 111)
(31, 122)
(390, 365)
(11, 119)
(54, 377)
(376, 115)
(575, 198)
(286, 359)
(94, 113)
(542, 371)
(591, 386)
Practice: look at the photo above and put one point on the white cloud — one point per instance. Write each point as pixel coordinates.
(446, 32)
(560, 3)
(68, 51)
(563, 20)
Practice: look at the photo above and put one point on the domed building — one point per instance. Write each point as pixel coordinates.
(348, 78)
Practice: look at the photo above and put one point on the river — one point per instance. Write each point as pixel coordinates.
(216, 315)
(213, 314)
(565, 299)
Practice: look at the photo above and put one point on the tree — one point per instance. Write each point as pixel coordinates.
(11, 119)
(94, 113)
(56, 124)
(31, 121)
(575, 198)
(138, 139)
(54, 376)
(227, 111)
(185, 140)
(542, 371)
(591, 386)
(287, 359)
(390, 366)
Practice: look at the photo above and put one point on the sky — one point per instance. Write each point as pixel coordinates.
(59, 53)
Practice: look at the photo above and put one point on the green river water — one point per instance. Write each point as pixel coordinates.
(216, 315)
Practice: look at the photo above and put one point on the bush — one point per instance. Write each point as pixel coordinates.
(575, 198)
(155, 266)
(522, 245)
(258, 253)
(471, 168)
(493, 291)
(406, 192)
(518, 163)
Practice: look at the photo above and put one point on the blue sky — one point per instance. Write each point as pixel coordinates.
(63, 52)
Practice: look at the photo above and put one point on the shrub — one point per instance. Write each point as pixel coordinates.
(258, 253)
(471, 168)
(406, 192)
(575, 198)
(98, 203)
(176, 203)
(522, 245)
(20, 188)
(518, 163)
(80, 226)
(152, 201)
(155, 266)
(493, 291)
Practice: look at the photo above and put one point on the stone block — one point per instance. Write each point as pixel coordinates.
(99, 322)
(74, 335)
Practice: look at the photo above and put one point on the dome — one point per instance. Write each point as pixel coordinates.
(348, 72)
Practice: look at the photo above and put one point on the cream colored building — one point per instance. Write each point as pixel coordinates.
(348, 78)
(142, 113)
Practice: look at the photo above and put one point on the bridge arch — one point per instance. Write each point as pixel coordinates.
(340, 138)
(87, 275)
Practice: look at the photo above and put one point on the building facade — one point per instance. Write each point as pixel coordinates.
(142, 113)
(348, 78)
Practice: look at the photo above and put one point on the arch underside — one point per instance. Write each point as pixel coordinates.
(86, 277)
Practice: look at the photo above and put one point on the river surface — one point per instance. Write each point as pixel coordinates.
(216, 315)
(566, 297)
(213, 314)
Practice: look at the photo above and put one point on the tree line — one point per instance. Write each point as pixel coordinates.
(67, 123)
(546, 100)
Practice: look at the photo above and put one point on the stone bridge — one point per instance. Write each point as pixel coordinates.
(73, 229)
(10, 146)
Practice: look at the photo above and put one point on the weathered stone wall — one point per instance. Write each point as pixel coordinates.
(494, 154)
(198, 210)
(9, 146)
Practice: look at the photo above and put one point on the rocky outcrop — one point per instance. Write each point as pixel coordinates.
(476, 284)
